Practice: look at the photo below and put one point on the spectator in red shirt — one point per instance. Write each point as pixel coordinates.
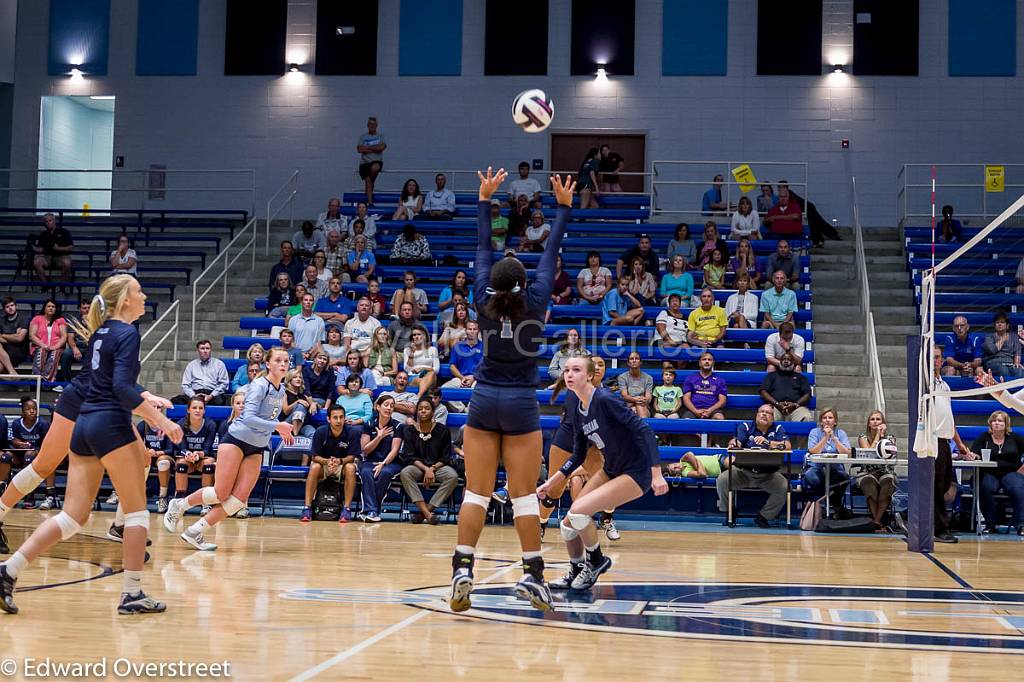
(786, 217)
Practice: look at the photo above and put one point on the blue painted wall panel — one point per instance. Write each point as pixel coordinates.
(79, 34)
(694, 37)
(168, 38)
(983, 38)
(430, 38)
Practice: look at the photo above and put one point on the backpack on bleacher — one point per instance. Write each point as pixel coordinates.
(327, 501)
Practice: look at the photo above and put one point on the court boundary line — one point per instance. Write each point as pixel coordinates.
(977, 594)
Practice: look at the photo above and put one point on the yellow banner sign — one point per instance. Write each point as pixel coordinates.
(995, 178)
(745, 176)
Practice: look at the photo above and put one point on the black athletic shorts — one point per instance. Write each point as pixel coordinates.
(509, 410)
(364, 168)
(97, 434)
(69, 403)
(246, 448)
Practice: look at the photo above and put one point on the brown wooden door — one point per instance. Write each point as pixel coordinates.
(568, 150)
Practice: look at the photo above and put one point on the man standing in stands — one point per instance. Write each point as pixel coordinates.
(610, 165)
(206, 376)
(371, 148)
(53, 248)
(288, 264)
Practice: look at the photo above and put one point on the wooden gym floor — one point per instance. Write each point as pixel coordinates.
(284, 600)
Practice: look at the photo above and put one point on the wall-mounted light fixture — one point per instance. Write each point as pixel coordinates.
(293, 67)
(838, 68)
(76, 73)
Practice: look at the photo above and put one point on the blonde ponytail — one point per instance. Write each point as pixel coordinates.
(112, 295)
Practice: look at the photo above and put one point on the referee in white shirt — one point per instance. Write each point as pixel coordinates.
(945, 429)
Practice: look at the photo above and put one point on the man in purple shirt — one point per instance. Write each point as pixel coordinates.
(704, 393)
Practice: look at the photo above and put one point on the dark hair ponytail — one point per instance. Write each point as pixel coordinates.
(506, 275)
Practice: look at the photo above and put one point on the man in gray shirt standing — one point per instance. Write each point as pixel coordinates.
(371, 148)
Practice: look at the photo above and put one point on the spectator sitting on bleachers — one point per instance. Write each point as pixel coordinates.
(788, 392)
(677, 280)
(281, 297)
(333, 452)
(307, 240)
(307, 327)
(536, 234)
(643, 249)
(949, 228)
(877, 481)
(712, 203)
(314, 285)
(160, 451)
(123, 259)
(380, 442)
(499, 226)
(410, 248)
(668, 397)
(594, 281)
(642, 283)
(323, 273)
(255, 354)
(438, 204)
(334, 307)
(53, 247)
(828, 439)
(1001, 350)
(353, 364)
(331, 219)
(459, 282)
(47, 333)
(405, 400)
(335, 255)
(378, 304)
(360, 263)
(671, 323)
(782, 342)
(412, 294)
(694, 466)
(783, 259)
(426, 456)
(27, 434)
(561, 292)
(333, 345)
(526, 186)
(458, 296)
(400, 329)
(382, 359)
(745, 221)
(421, 360)
(620, 307)
(298, 405)
(705, 393)
(371, 146)
(712, 241)
(766, 199)
(454, 329)
(369, 221)
(636, 386)
(682, 244)
(741, 307)
(410, 201)
(288, 264)
(714, 270)
(706, 325)
(360, 328)
(786, 217)
(13, 336)
(206, 377)
(518, 219)
(76, 345)
(252, 370)
(295, 356)
(357, 228)
(761, 434)
(745, 262)
(440, 411)
(1007, 450)
(962, 352)
(195, 451)
(353, 397)
(465, 357)
(293, 310)
(319, 380)
(571, 347)
(777, 303)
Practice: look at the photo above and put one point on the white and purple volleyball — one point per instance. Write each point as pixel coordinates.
(533, 110)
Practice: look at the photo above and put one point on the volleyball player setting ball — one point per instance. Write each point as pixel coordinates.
(104, 440)
(239, 455)
(632, 466)
(503, 423)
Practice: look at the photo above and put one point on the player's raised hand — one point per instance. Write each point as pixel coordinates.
(489, 183)
(985, 378)
(563, 189)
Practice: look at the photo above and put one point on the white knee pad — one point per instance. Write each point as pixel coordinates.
(232, 505)
(139, 519)
(527, 505)
(469, 497)
(210, 496)
(163, 465)
(568, 532)
(27, 480)
(577, 521)
(68, 526)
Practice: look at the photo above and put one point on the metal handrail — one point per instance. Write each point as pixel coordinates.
(175, 308)
(197, 298)
(870, 340)
(292, 180)
(725, 169)
(905, 188)
(22, 377)
(453, 176)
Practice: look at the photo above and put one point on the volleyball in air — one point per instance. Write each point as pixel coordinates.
(533, 110)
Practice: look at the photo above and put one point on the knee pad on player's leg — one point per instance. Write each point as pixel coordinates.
(138, 519)
(181, 467)
(208, 469)
(232, 505)
(210, 496)
(163, 465)
(577, 521)
(469, 497)
(568, 532)
(26, 480)
(68, 526)
(527, 505)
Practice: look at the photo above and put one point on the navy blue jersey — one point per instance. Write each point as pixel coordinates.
(114, 369)
(202, 439)
(5, 436)
(153, 439)
(512, 361)
(383, 448)
(625, 439)
(326, 444)
(33, 436)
